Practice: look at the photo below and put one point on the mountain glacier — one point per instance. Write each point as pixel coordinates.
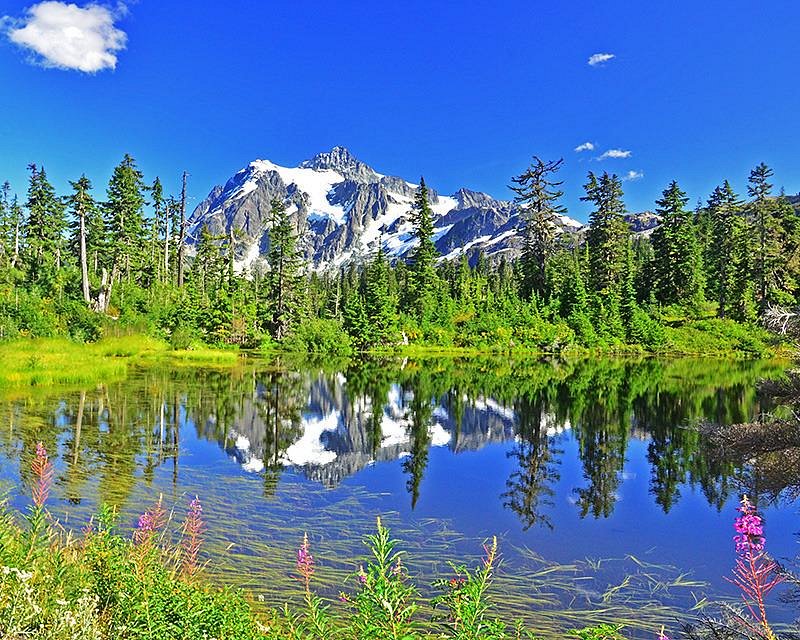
(343, 210)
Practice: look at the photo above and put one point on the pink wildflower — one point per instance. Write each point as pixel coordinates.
(43, 470)
(305, 562)
(149, 522)
(193, 528)
(754, 573)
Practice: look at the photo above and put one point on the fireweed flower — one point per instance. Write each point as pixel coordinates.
(305, 562)
(755, 573)
(149, 523)
(192, 537)
(43, 471)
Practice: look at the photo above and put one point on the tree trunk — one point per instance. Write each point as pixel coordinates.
(84, 265)
(166, 243)
(182, 235)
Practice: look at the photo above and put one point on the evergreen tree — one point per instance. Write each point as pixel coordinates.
(161, 215)
(380, 308)
(423, 276)
(787, 276)
(538, 197)
(44, 227)
(768, 254)
(283, 281)
(727, 236)
(677, 259)
(124, 216)
(607, 238)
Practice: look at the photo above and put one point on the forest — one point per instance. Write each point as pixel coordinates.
(87, 264)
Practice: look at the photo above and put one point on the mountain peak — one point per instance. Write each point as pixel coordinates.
(340, 159)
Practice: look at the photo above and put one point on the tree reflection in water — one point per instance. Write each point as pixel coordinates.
(331, 422)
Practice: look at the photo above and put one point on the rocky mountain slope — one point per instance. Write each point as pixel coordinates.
(344, 210)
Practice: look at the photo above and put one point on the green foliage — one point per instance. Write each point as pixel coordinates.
(384, 606)
(326, 337)
(466, 604)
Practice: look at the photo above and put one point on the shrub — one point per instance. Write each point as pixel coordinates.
(320, 336)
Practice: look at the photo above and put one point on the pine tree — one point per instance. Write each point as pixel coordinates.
(768, 254)
(607, 238)
(83, 207)
(380, 308)
(677, 259)
(538, 197)
(161, 215)
(44, 228)
(727, 236)
(423, 276)
(124, 217)
(787, 275)
(283, 283)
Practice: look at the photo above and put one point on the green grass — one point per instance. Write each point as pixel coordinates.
(43, 362)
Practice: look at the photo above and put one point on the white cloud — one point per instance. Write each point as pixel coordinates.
(600, 58)
(615, 153)
(632, 175)
(586, 146)
(66, 36)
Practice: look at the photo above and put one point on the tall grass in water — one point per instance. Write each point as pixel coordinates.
(152, 585)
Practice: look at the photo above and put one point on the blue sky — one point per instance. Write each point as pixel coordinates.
(464, 93)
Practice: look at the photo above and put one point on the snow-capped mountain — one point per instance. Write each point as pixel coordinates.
(344, 210)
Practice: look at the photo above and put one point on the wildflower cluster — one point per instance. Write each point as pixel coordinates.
(749, 528)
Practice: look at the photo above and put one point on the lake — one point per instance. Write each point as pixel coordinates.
(606, 499)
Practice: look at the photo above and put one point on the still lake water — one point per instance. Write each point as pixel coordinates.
(590, 472)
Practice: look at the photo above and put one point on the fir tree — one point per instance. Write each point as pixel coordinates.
(380, 308)
(727, 236)
(124, 218)
(283, 284)
(44, 228)
(6, 224)
(161, 215)
(607, 238)
(538, 197)
(677, 259)
(768, 254)
(423, 276)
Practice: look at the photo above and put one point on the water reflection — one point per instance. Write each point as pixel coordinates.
(330, 424)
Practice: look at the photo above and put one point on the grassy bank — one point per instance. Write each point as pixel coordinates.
(59, 361)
